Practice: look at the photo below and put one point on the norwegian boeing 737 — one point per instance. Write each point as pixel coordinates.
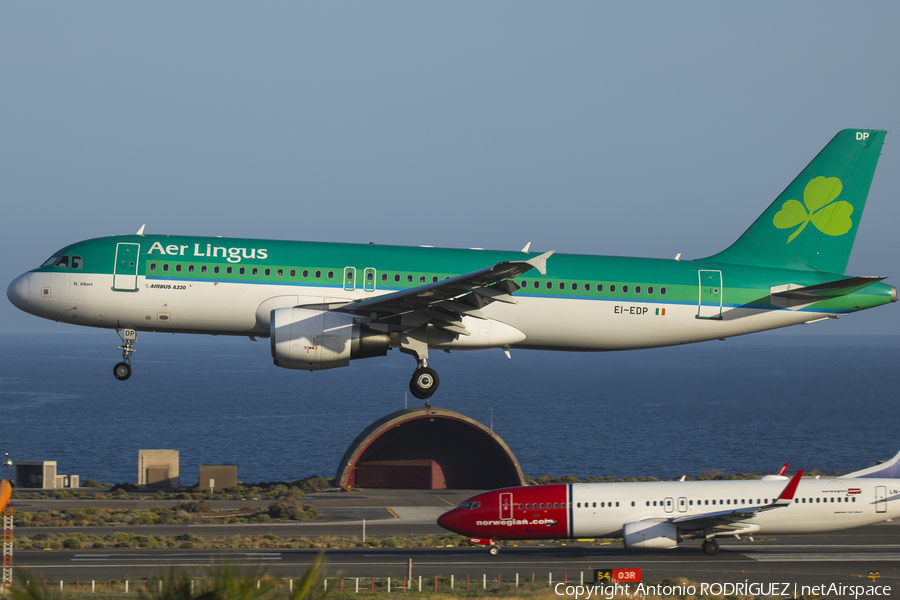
(648, 515)
(325, 304)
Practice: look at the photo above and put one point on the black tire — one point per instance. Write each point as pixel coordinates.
(494, 550)
(711, 547)
(424, 383)
(122, 371)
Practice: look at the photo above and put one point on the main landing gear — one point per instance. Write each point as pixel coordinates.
(122, 370)
(711, 546)
(424, 381)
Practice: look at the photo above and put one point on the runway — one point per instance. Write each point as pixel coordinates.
(837, 557)
(846, 557)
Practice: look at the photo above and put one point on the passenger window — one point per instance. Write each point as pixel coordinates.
(556, 505)
(599, 287)
(318, 274)
(434, 279)
(384, 276)
(537, 285)
(650, 290)
(279, 272)
(587, 287)
(216, 269)
(228, 270)
(305, 273)
(293, 273)
(178, 268)
(562, 286)
(421, 279)
(166, 267)
(624, 289)
(574, 287)
(617, 505)
(62, 262)
(254, 271)
(242, 270)
(190, 268)
(202, 269)
(152, 266)
(409, 279)
(662, 291)
(76, 262)
(523, 283)
(595, 505)
(269, 272)
(637, 289)
(330, 274)
(612, 287)
(549, 285)
(397, 277)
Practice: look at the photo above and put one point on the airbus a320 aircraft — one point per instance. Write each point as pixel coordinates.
(648, 515)
(325, 304)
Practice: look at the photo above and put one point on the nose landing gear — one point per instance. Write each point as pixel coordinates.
(122, 370)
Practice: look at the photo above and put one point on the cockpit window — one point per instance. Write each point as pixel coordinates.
(62, 262)
(76, 262)
(470, 505)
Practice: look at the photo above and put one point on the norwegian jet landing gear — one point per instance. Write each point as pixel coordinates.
(122, 370)
(494, 550)
(424, 381)
(711, 546)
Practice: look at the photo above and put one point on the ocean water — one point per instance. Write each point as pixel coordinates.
(744, 405)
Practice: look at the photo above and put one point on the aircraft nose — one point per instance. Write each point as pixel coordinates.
(17, 292)
(446, 520)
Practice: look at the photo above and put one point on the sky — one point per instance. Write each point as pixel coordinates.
(622, 128)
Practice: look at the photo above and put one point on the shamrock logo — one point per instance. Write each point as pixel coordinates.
(819, 207)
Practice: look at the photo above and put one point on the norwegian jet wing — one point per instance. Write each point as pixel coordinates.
(727, 518)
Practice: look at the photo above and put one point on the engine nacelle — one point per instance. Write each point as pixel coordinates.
(650, 534)
(313, 340)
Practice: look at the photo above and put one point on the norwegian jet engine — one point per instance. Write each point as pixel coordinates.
(650, 534)
(314, 340)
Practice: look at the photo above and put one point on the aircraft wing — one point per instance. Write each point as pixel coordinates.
(727, 517)
(823, 291)
(442, 304)
(482, 283)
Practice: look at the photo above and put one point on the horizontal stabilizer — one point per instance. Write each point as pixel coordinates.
(823, 291)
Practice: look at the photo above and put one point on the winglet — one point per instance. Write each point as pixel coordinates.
(540, 262)
(141, 230)
(527, 246)
(787, 496)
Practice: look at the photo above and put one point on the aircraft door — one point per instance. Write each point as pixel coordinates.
(670, 505)
(880, 499)
(369, 279)
(682, 505)
(349, 279)
(709, 305)
(126, 267)
(506, 506)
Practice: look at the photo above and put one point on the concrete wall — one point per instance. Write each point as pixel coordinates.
(217, 477)
(158, 468)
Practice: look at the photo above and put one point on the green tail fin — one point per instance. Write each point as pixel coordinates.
(812, 225)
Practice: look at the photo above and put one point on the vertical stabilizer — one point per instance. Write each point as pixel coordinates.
(813, 223)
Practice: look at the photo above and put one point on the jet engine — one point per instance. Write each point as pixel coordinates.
(313, 340)
(650, 534)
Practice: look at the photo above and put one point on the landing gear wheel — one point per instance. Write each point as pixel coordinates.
(711, 546)
(122, 371)
(494, 550)
(424, 383)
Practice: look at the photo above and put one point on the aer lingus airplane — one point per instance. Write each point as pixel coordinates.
(325, 304)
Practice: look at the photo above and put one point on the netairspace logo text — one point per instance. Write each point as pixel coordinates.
(787, 590)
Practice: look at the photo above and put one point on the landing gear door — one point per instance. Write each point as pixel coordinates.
(506, 509)
(125, 268)
(880, 499)
(710, 303)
